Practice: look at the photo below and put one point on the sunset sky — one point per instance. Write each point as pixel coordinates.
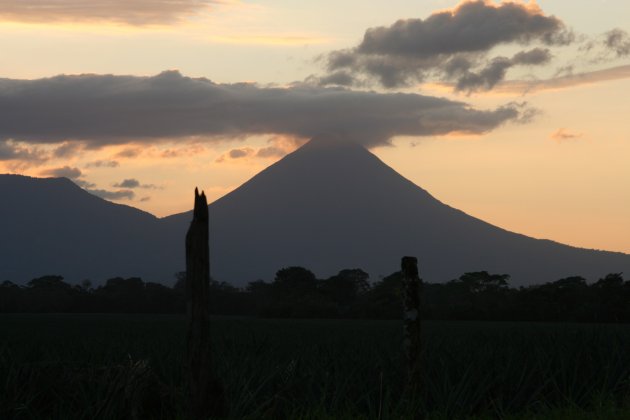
(515, 112)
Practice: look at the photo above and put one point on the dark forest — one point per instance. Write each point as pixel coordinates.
(296, 292)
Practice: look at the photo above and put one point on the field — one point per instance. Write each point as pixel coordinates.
(93, 366)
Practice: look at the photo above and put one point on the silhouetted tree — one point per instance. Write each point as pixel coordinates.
(296, 292)
(345, 287)
(50, 294)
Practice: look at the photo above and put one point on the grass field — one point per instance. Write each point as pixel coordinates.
(87, 366)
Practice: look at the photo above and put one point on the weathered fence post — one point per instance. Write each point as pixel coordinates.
(205, 393)
(411, 306)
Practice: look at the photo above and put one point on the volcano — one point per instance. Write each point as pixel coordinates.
(327, 206)
(332, 205)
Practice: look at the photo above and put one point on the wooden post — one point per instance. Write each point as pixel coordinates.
(206, 393)
(411, 327)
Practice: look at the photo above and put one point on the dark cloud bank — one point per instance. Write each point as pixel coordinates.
(98, 110)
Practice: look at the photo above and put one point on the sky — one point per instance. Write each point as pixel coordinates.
(514, 112)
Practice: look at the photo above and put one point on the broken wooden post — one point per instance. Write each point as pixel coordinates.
(411, 327)
(205, 392)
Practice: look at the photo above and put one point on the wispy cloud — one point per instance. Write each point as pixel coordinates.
(563, 135)
(618, 41)
(63, 172)
(113, 195)
(132, 183)
(21, 154)
(522, 87)
(103, 164)
(276, 147)
(128, 12)
(73, 174)
(129, 152)
(124, 191)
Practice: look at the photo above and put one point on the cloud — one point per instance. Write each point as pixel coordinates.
(63, 172)
(239, 153)
(67, 149)
(473, 26)
(130, 152)
(113, 195)
(618, 41)
(132, 183)
(86, 185)
(277, 147)
(144, 199)
(494, 72)
(532, 57)
(567, 81)
(562, 135)
(235, 154)
(190, 150)
(609, 46)
(449, 45)
(23, 154)
(124, 193)
(270, 151)
(73, 174)
(339, 78)
(128, 183)
(128, 12)
(103, 164)
(106, 110)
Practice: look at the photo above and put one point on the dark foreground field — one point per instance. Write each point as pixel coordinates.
(92, 366)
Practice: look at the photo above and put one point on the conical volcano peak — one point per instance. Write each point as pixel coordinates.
(330, 150)
(332, 142)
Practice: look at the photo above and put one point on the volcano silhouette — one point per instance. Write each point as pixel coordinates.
(327, 206)
(332, 205)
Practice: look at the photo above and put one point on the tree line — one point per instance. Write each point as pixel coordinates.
(296, 292)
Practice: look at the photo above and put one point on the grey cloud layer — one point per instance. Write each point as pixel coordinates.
(449, 45)
(100, 110)
(133, 12)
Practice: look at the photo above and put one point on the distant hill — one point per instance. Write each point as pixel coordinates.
(329, 205)
(52, 226)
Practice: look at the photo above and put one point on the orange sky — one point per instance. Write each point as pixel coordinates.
(564, 175)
